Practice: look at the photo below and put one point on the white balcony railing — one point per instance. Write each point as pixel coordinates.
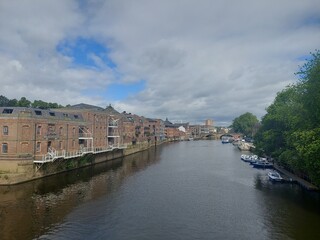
(53, 154)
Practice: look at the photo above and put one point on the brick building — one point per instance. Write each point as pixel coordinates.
(27, 134)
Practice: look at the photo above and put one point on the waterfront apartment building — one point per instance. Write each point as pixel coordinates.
(103, 126)
(37, 136)
(28, 134)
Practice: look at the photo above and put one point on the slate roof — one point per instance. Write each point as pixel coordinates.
(39, 113)
(86, 106)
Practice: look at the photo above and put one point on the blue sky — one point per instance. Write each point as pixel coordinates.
(81, 51)
(178, 59)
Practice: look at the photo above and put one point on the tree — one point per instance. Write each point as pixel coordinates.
(23, 102)
(310, 82)
(290, 130)
(283, 116)
(245, 123)
(39, 104)
(3, 101)
(13, 103)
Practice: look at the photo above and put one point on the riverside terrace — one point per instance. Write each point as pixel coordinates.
(31, 137)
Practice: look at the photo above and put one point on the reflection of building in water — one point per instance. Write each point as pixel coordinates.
(35, 206)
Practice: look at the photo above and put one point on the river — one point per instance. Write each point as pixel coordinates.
(184, 190)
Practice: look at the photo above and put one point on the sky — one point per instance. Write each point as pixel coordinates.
(185, 60)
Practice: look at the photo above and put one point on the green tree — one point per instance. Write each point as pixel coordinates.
(283, 116)
(23, 102)
(310, 83)
(3, 101)
(40, 104)
(13, 103)
(245, 123)
(290, 130)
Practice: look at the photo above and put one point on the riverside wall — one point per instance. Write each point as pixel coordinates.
(15, 171)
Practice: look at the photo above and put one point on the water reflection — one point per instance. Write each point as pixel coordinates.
(187, 190)
(31, 209)
(290, 211)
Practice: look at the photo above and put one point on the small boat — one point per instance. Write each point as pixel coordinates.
(249, 158)
(225, 140)
(274, 176)
(262, 163)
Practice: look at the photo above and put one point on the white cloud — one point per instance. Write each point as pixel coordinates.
(200, 59)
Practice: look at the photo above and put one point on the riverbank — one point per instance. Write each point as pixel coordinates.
(27, 171)
(288, 176)
(294, 178)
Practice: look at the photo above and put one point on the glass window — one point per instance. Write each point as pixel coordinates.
(38, 112)
(5, 130)
(38, 146)
(7, 111)
(39, 130)
(4, 147)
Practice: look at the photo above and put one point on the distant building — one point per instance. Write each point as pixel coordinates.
(208, 122)
(195, 131)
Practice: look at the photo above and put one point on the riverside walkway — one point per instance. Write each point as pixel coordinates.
(293, 178)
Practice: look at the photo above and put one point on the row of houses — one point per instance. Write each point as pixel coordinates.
(38, 135)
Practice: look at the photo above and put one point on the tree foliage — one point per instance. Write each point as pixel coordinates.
(290, 130)
(24, 102)
(245, 124)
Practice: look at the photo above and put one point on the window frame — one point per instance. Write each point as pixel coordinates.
(5, 130)
(4, 148)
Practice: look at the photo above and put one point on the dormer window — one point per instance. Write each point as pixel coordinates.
(7, 111)
(38, 112)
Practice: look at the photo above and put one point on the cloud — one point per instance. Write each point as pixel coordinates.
(197, 59)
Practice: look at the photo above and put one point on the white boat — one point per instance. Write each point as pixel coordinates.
(225, 140)
(249, 158)
(274, 176)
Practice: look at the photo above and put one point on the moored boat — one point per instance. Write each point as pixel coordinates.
(249, 158)
(274, 176)
(262, 163)
(225, 140)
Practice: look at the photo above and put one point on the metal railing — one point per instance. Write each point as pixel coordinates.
(53, 154)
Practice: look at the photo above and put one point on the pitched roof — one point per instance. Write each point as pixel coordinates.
(86, 106)
(110, 110)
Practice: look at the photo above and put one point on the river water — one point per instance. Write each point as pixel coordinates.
(184, 190)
